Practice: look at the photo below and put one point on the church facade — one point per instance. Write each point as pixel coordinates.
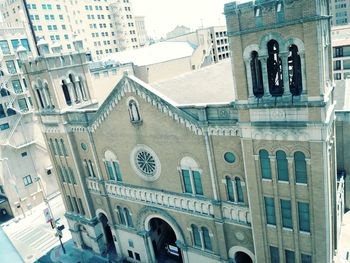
(145, 177)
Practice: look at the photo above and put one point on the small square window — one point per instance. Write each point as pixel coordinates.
(131, 255)
(137, 256)
(131, 243)
(24, 154)
(27, 180)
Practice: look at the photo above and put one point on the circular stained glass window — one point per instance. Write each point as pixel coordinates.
(230, 157)
(146, 163)
(83, 146)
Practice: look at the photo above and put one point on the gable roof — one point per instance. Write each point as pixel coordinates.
(209, 85)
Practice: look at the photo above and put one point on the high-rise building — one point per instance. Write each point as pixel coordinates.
(104, 26)
(141, 30)
(221, 164)
(340, 10)
(23, 155)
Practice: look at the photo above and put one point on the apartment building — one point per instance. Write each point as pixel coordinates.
(105, 26)
(212, 40)
(26, 173)
(341, 59)
(340, 12)
(221, 164)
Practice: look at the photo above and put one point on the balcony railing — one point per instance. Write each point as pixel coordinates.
(231, 212)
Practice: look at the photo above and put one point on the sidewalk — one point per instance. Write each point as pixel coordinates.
(344, 241)
(74, 255)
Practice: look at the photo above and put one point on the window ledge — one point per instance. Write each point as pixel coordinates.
(266, 180)
(137, 123)
(287, 229)
(301, 184)
(305, 233)
(271, 226)
(283, 182)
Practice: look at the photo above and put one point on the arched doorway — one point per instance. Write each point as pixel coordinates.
(110, 247)
(241, 257)
(163, 240)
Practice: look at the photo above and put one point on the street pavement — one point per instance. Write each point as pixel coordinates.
(31, 235)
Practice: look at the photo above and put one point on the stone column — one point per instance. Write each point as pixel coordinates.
(78, 91)
(71, 92)
(234, 185)
(263, 60)
(146, 235)
(284, 59)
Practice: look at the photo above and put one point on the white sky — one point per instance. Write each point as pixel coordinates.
(163, 16)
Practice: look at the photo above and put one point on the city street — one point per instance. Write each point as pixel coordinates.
(32, 236)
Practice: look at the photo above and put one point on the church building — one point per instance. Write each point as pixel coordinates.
(234, 162)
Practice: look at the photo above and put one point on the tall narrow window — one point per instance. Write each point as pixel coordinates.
(300, 168)
(274, 69)
(286, 213)
(270, 210)
(92, 168)
(229, 186)
(121, 215)
(128, 217)
(187, 181)
(206, 238)
(255, 66)
(66, 93)
(274, 254)
(112, 167)
(40, 99)
(197, 182)
(110, 170)
(294, 71)
(81, 206)
(64, 150)
(196, 236)
(59, 150)
(265, 164)
(304, 216)
(282, 166)
(239, 190)
(134, 111)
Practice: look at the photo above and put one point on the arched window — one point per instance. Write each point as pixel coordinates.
(274, 69)
(265, 164)
(75, 88)
(282, 166)
(300, 168)
(239, 190)
(255, 66)
(66, 93)
(112, 167)
(40, 99)
(10, 112)
(58, 148)
(134, 111)
(121, 216)
(196, 236)
(206, 238)
(229, 186)
(294, 71)
(191, 176)
(128, 217)
(63, 148)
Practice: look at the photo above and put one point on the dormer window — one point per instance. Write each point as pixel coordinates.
(134, 112)
(274, 69)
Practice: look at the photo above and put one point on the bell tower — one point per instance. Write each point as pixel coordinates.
(281, 57)
(60, 82)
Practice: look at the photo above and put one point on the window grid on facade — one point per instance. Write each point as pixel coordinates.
(306, 258)
(290, 256)
(192, 181)
(113, 171)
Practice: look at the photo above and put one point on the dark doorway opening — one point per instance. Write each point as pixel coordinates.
(164, 242)
(241, 257)
(110, 247)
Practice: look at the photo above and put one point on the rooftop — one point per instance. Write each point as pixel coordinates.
(153, 54)
(208, 85)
